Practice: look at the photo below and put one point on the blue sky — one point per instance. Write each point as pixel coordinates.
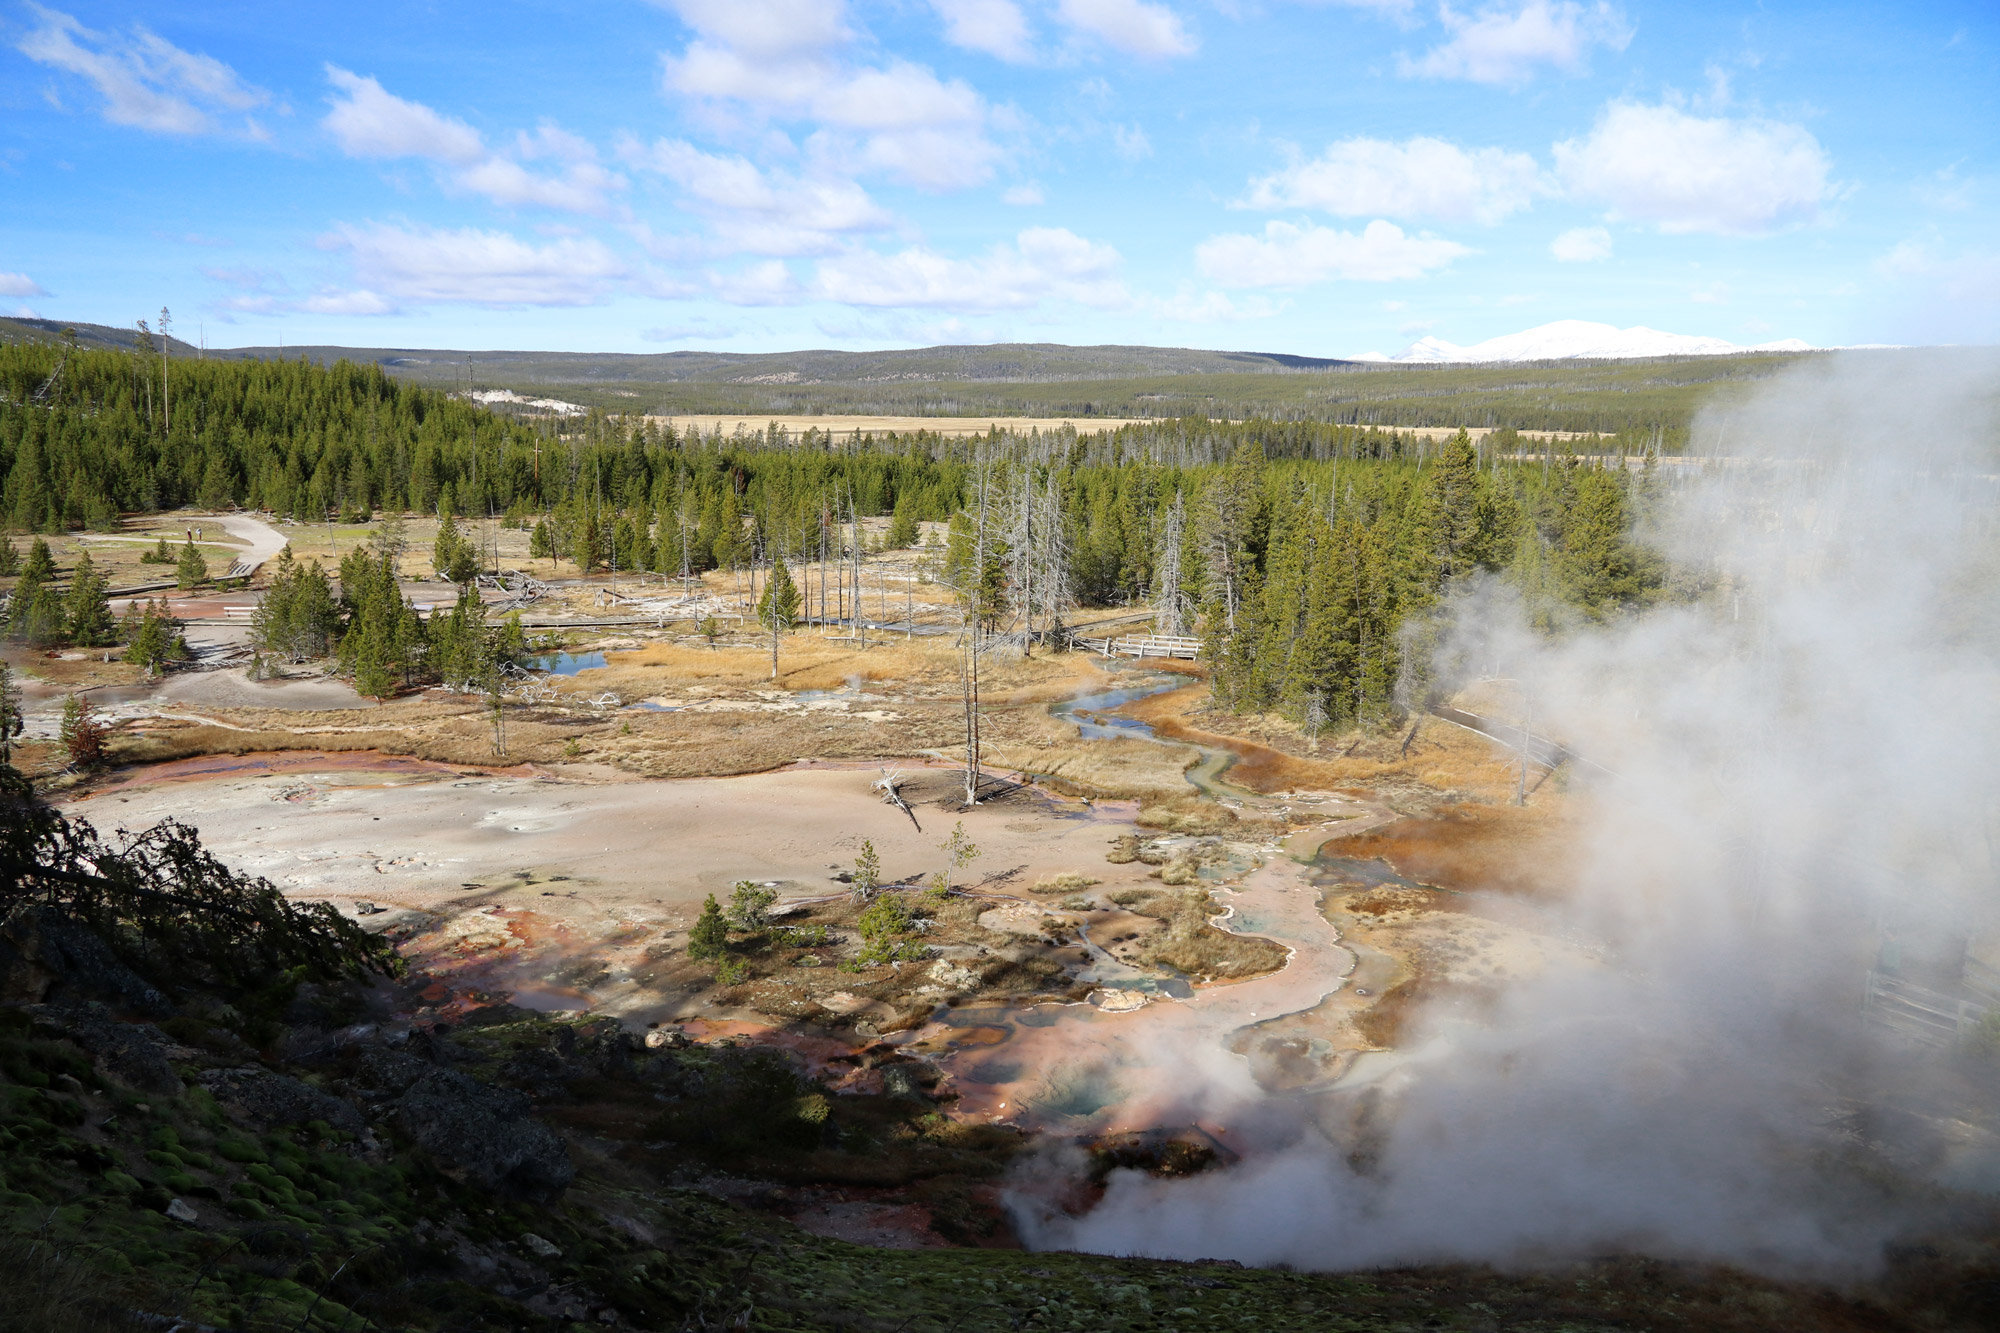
(1320, 178)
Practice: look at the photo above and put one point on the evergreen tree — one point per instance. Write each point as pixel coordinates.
(298, 618)
(35, 610)
(867, 872)
(153, 639)
(10, 558)
(541, 545)
(12, 720)
(40, 565)
(709, 937)
(903, 528)
(85, 610)
(750, 906)
(461, 647)
(778, 608)
(452, 556)
(190, 571)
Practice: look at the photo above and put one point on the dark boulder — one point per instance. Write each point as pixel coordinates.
(265, 1099)
(46, 955)
(484, 1136)
(133, 1053)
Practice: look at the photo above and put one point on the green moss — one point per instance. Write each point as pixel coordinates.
(237, 1148)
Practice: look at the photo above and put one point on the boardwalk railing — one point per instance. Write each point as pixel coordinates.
(1931, 1016)
(1142, 645)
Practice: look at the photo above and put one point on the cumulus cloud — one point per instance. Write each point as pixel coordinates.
(1420, 177)
(996, 27)
(470, 266)
(900, 119)
(1508, 47)
(1288, 255)
(146, 81)
(1042, 263)
(1152, 32)
(759, 211)
(1686, 173)
(1582, 245)
(367, 120)
(19, 284)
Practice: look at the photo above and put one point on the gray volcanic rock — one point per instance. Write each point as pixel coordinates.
(133, 1053)
(47, 955)
(483, 1135)
(268, 1099)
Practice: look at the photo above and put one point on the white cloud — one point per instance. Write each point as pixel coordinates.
(768, 283)
(996, 27)
(146, 81)
(1023, 196)
(1421, 177)
(470, 266)
(1582, 245)
(369, 121)
(1683, 173)
(1968, 275)
(1131, 142)
(758, 211)
(1287, 255)
(1135, 27)
(1507, 47)
(19, 284)
(1043, 263)
(366, 120)
(768, 28)
(346, 303)
(901, 119)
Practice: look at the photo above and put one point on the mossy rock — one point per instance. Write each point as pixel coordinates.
(121, 1182)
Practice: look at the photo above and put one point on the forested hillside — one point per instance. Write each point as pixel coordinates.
(1639, 398)
(1299, 550)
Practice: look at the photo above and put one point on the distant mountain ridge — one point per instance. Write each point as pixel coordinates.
(997, 362)
(1578, 340)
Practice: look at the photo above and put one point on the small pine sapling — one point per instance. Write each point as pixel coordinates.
(867, 872)
(709, 937)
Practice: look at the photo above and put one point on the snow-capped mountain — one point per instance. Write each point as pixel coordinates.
(1579, 339)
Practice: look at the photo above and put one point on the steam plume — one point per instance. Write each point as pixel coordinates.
(1803, 763)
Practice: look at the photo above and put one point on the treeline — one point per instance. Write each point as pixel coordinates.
(86, 435)
(1300, 551)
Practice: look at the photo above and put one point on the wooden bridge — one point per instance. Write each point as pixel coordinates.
(1141, 645)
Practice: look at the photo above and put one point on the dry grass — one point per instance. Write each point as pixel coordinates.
(1273, 755)
(809, 660)
(1194, 947)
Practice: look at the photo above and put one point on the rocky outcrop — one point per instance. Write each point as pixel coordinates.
(483, 1136)
(135, 1054)
(47, 956)
(265, 1099)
